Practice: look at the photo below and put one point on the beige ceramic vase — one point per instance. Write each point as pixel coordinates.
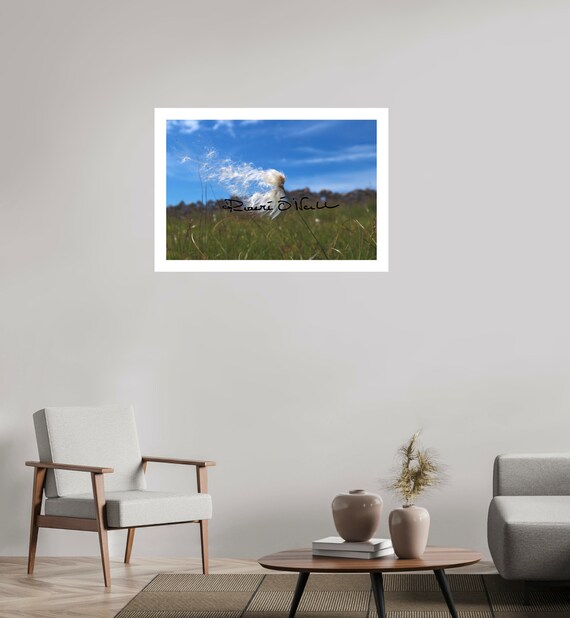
(409, 529)
(357, 515)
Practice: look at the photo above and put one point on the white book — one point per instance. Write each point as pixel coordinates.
(335, 543)
(360, 555)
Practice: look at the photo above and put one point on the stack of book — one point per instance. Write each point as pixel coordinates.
(335, 547)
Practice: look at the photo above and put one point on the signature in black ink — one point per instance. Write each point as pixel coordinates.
(283, 204)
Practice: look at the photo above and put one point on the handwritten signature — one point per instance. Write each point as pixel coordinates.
(282, 205)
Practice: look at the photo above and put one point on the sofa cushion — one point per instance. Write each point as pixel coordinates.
(529, 536)
(127, 509)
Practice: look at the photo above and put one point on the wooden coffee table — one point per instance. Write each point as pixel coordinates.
(435, 559)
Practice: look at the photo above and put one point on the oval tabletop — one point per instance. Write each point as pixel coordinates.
(434, 558)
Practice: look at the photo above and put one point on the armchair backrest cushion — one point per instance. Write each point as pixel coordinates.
(537, 474)
(103, 436)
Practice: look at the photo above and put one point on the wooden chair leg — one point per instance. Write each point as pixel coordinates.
(37, 493)
(99, 497)
(204, 543)
(129, 548)
(202, 482)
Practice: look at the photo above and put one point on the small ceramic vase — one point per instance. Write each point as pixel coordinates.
(409, 529)
(357, 515)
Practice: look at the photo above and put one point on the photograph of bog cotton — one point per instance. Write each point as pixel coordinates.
(267, 189)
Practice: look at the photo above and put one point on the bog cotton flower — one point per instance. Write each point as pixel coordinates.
(255, 186)
(273, 178)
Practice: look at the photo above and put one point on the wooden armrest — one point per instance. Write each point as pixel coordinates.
(185, 462)
(57, 466)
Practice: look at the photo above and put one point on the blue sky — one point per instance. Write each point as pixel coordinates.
(339, 155)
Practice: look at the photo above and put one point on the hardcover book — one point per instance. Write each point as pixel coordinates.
(336, 543)
(359, 555)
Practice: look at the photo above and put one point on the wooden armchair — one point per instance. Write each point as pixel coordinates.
(76, 498)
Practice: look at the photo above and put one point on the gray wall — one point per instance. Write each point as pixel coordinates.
(299, 385)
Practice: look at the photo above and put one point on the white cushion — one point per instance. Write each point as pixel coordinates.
(125, 509)
(104, 436)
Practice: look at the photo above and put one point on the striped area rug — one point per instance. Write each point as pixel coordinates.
(339, 596)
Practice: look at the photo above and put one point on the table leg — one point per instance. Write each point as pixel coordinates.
(378, 590)
(444, 585)
(299, 588)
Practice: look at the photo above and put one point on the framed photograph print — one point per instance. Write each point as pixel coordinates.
(267, 189)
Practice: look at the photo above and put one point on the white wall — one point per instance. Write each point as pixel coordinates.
(298, 385)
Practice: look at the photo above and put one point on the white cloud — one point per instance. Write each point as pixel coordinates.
(353, 153)
(316, 127)
(225, 124)
(184, 126)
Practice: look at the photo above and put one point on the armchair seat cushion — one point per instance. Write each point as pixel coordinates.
(529, 536)
(128, 509)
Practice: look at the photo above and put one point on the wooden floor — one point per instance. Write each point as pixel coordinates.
(74, 586)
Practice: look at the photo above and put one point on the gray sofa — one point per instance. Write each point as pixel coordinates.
(528, 527)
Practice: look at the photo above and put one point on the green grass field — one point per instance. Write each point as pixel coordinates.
(344, 233)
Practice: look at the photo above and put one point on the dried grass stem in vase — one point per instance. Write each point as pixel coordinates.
(418, 469)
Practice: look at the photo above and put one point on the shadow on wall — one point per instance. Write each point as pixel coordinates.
(15, 524)
(269, 533)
